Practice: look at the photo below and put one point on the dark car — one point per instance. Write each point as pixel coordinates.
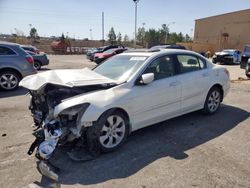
(30, 48)
(168, 46)
(245, 60)
(230, 56)
(100, 57)
(39, 59)
(101, 50)
(15, 64)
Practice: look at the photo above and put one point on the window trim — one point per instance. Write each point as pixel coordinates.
(16, 54)
(192, 55)
(151, 61)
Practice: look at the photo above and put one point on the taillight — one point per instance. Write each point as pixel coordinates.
(30, 59)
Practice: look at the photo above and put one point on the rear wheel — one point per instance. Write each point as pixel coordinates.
(213, 101)
(37, 65)
(108, 133)
(9, 80)
(247, 71)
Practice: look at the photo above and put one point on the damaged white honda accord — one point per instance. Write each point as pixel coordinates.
(99, 108)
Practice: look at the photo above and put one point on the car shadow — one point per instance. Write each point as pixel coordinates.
(18, 92)
(44, 69)
(167, 139)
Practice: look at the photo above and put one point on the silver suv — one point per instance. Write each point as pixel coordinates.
(15, 64)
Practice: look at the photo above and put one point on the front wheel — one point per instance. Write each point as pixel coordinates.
(108, 133)
(213, 101)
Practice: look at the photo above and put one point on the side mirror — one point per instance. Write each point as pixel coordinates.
(114, 53)
(147, 78)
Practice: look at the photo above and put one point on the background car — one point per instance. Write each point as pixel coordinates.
(245, 57)
(15, 64)
(229, 56)
(39, 59)
(100, 57)
(91, 55)
(30, 48)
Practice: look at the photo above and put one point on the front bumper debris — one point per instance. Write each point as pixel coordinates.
(47, 169)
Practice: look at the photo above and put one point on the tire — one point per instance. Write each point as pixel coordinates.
(108, 133)
(213, 100)
(247, 72)
(9, 80)
(37, 65)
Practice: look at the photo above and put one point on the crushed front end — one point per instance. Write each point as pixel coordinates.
(52, 131)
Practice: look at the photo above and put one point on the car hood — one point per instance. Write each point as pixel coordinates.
(65, 77)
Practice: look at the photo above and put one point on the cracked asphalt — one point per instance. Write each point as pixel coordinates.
(193, 150)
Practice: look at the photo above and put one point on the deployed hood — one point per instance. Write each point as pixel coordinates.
(66, 77)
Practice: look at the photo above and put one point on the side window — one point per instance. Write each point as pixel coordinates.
(190, 63)
(6, 51)
(162, 67)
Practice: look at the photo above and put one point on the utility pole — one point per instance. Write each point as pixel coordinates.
(90, 31)
(103, 28)
(136, 2)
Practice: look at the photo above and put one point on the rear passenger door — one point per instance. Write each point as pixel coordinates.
(194, 79)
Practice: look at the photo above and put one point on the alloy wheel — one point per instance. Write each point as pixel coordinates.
(8, 81)
(112, 132)
(214, 101)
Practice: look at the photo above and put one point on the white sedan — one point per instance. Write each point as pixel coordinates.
(125, 93)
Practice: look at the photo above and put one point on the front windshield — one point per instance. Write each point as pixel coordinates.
(120, 67)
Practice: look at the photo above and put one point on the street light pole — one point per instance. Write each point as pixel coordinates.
(166, 38)
(136, 2)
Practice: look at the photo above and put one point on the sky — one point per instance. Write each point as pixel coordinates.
(82, 18)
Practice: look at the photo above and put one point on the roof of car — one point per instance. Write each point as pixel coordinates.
(148, 52)
(9, 43)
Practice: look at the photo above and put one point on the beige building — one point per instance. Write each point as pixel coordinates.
(231, 30)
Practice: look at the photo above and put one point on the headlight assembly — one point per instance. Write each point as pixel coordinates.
(75, 109)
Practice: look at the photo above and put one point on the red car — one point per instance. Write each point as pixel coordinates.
(100, 57)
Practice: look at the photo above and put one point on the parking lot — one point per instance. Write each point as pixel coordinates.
(193, 150)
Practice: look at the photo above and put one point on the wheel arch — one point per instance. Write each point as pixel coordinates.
(12, 70)
(219, 86)
(88, 115)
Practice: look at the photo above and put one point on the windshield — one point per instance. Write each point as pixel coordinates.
(120, 67)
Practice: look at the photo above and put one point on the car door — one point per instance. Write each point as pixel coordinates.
(194, 78)
(158, 100)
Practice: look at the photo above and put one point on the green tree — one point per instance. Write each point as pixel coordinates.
(119, 38)
(163, 34)
(33, 33)
(188, 38)
(141, 35)
(152, 37)
(126, 38)
(112, 36)
(62, 38)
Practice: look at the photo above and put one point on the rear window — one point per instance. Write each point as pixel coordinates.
(6, 51)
